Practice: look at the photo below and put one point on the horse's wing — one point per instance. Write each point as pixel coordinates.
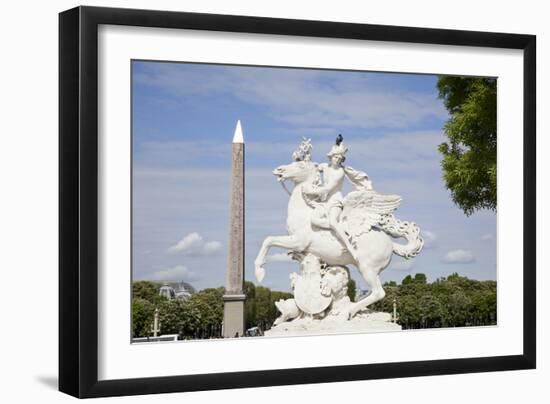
(384, 204)
(364, 209)
(371, 200)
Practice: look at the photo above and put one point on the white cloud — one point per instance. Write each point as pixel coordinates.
(430, 238)
(211, 247)
(401, 265)
(187, 243)
(177, 273)
(279, 257)
(302, 97)
(459, 257)
(487, 236)
(194, 244)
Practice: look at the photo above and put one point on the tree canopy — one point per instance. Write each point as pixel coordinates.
(148, 291)
(260, 309)
(447, 302)
(470, 156)
(201, 315)
(142, 316)
(352, 289)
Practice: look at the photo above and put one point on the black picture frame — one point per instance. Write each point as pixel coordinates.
(78, 200)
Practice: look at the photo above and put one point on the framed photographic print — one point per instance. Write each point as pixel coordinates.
(268, 201)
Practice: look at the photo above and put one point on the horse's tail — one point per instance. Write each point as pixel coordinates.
(409, 230)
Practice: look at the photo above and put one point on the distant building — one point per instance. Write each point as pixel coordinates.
(167, 292)
(176, 290)
(182, 292)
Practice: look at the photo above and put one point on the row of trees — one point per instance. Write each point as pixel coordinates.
(454, 301)
(201, 315)
(260, 310)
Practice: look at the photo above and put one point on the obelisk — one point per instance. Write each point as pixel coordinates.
(233, 312)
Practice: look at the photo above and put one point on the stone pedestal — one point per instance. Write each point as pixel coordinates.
(233, 316)
(364, 322)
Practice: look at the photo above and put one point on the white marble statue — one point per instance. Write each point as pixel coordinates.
(328, 231)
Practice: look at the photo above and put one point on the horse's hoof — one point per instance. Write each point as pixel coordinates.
(260, 273)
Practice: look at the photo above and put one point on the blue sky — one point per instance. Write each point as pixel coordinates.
(184, 116)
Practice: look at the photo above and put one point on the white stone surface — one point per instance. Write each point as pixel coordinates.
(330, 230)
(308, 296)
(238, 135)
(361, 322)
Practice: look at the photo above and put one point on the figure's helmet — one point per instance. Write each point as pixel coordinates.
(339, 148)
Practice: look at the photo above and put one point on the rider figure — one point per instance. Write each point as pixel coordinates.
(330, 191)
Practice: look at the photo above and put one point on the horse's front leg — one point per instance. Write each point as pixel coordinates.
(293, 242)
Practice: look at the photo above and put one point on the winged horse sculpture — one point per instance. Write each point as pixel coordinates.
(366, 220)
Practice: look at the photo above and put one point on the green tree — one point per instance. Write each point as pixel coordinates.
(143, 313)
(458, 309)
(470, 156)
(200, 316)
(264, 312)
(352, 289)
(447, 302)
(148, 291)
(409, 312)
(209, 303)
(431, 311)
(250, 304)
(407, 280)
(420, 278)
(179, 316)
(276, 296)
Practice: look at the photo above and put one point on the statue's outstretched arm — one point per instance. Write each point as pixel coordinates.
(359, 179)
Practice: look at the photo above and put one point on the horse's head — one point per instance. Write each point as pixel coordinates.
(298, 171)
